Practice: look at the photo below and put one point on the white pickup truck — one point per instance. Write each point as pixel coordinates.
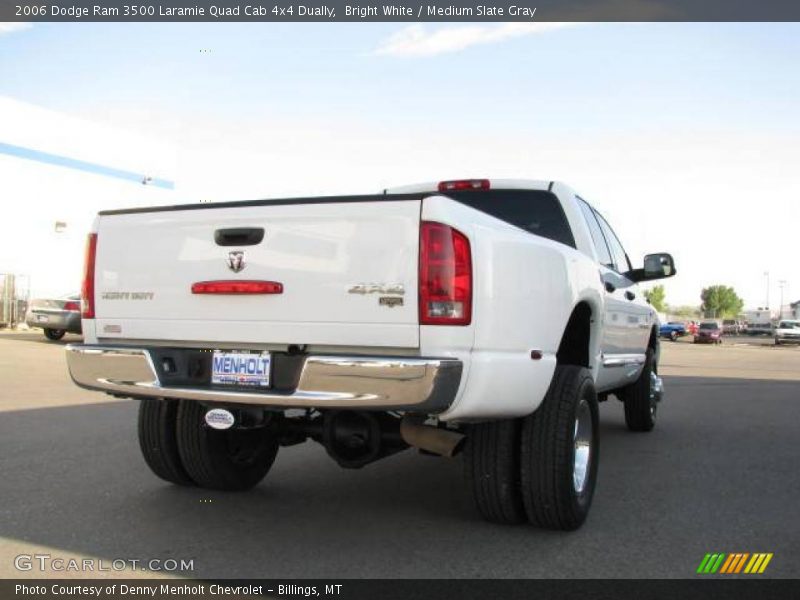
(475, 315)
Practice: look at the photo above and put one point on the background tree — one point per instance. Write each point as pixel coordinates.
(720, 301)
(686, 312)
(656, 296)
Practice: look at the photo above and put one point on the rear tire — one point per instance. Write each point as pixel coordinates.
(639, 399)
(54, 334)
(158, 441)
(491, 467)
(560, 452)
(232, 459)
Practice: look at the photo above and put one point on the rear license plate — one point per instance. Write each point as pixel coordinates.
(241, 368)
(42, 318)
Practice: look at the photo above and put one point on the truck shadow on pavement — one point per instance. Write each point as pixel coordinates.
(73, 481)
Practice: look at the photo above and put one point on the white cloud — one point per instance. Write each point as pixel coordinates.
(417, 40)
(12, 27)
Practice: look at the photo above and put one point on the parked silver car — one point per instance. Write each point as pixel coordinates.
(732, 327)
(55, 316)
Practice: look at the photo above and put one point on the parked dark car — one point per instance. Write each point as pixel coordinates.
(56, 317)
(759, 329)
(709, 332)
(672, 330)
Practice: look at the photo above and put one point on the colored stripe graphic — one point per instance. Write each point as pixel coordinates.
(764, 564)
(755, 561)
(740, 564)
(81, 165)
(711, 563)
(727, 565)
(718, 563)
(734, 563)
(703, 563)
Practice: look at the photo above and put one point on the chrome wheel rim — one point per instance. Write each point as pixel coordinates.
(655, 385)
(583, 446)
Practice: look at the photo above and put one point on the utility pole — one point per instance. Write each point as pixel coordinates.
(767, 275)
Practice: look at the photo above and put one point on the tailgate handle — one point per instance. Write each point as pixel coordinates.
(239, 236)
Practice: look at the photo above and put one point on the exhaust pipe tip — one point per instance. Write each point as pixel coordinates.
(435, 440)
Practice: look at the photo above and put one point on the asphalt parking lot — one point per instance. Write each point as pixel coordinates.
(719, 474)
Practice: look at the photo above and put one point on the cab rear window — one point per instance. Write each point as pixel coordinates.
(536, 211)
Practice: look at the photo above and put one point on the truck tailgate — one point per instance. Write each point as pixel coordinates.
(147, 263)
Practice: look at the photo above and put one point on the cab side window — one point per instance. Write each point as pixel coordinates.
(600, 246)
(621, 261)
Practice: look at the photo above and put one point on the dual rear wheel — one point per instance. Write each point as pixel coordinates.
(180, 448)
(541, 468)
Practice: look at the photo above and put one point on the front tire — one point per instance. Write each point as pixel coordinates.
(158, 441)
(491, 467)
(54, 334)
(232, 459)
(560, 452)
(640, 399)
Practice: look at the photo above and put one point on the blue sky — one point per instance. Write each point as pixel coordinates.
(685, 123)
(594, 76)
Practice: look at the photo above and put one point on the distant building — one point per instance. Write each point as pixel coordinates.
(795, 312)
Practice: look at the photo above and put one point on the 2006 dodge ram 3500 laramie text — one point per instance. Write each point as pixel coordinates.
(488, 316)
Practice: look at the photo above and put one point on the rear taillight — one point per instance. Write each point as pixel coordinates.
(72, 306)
(445, 276)
(87, 289)
(463, 184)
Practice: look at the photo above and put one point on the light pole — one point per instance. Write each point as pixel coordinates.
(767, 275)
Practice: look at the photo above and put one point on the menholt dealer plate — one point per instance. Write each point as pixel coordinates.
(240, 368)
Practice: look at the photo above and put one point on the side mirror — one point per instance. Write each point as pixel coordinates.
(656, 266)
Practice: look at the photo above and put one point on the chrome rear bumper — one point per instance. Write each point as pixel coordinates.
(365, 382)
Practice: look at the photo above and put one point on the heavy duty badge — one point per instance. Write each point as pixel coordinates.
(377, 288)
